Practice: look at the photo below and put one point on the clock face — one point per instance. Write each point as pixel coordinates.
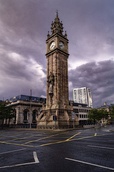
(52, 45)
(61, 45)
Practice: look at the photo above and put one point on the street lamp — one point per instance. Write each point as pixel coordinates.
(30, 108)
(73, 117)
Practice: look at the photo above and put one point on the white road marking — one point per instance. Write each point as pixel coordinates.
(35, 157)
(12, 151)
(87, 163)
(23, 164)
(100, 147)
(17, 165)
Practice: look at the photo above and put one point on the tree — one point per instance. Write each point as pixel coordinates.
(112, 112)
(2, 112)
(98, 114)
(93, 114)
(6, 113)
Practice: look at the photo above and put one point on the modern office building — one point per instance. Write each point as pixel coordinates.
(81, 113)
(82, 95)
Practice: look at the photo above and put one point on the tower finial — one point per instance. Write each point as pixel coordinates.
(56, 13)
(57, 26)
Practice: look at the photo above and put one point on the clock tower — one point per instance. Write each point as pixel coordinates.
(57, 111)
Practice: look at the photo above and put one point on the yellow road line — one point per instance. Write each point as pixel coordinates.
(69, 140)
(9, 143)
(25, 144)
(22, 138)
(52, 143)
(62, 141)
(43, 138)
(73, 136)
(40, 139)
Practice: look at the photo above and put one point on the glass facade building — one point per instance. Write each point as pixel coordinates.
(83, 95)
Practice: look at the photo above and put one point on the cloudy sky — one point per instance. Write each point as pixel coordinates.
(24, 25)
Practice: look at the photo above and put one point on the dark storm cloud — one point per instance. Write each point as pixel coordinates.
(14, 69)
(21, 47)
(91, 30)
(24, 25)
(24, 17)
(99, 77)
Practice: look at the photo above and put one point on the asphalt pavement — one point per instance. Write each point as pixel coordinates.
(82, 150)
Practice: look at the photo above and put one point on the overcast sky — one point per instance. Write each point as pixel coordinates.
(24, 25)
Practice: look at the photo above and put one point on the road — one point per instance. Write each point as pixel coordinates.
(86, 150)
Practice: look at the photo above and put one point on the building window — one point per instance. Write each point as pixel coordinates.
(25, 120)
(34, 114)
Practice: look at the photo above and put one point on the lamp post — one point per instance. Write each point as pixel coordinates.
(73, 118)
(30, 108)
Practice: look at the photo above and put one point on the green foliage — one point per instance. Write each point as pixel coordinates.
(112, 111)
(2, 110)
(98, 114)
(93, 114)
(6, 112)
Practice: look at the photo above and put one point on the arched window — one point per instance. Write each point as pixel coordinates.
(34, 113)
(25, 120)
(14, 116)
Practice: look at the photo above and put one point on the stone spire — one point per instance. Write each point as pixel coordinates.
(57, 26)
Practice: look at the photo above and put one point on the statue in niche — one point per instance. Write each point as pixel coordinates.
(51, 82)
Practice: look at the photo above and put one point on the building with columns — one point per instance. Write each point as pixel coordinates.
(27, 108)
